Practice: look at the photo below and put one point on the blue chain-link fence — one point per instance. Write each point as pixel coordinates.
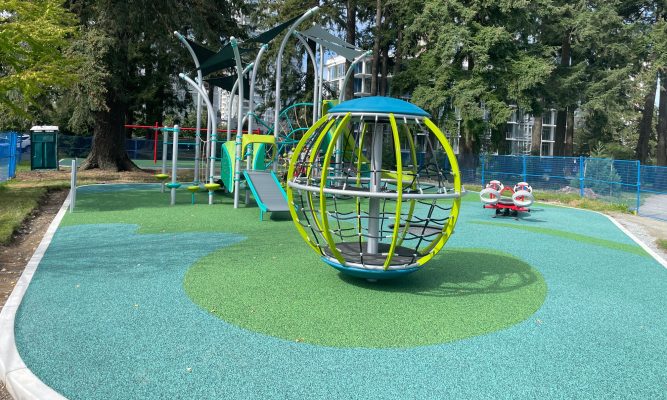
(639, 187)
(9, 154)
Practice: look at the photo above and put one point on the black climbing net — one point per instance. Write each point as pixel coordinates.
(336, 176)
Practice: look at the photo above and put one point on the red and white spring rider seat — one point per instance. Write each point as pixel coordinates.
(507, 200)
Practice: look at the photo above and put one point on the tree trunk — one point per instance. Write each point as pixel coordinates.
(569, 132)
(661, 150)
(350, 37)
(467, 147)
(376, 48)
(108, 147)
(536, 142)
(397, 55)
(559, 135)
(385, 70)
(646, 124)
(561, 116)
(107, 151)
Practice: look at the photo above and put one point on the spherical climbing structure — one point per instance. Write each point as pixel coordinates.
(374, 188)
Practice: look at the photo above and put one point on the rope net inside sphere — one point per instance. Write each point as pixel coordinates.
(374, 192)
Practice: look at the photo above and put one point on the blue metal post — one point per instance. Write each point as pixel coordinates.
(523, 175)
(14, 140)
(639, 184)
(581, 176)
(482, 158)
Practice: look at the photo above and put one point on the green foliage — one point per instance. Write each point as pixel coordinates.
(33, 65)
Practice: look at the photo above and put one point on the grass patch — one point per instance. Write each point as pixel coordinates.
(662, 243)
(16, 203)
(21, 196)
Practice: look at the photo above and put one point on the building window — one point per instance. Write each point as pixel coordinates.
(357, 85)
(547, 149)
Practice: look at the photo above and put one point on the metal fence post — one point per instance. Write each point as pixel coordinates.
(482, 160)
(581, 176)
(524, 174)
(639, 184)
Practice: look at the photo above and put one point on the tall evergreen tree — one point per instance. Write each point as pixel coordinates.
(137, 59)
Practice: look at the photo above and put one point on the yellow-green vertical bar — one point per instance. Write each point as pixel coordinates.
(448, 229)
(290, 176)
(399, 191)
(323, 199)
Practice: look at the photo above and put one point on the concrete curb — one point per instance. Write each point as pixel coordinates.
(625, 230)
(21, 383)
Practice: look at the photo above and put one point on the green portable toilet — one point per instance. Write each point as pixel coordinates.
(44, 147)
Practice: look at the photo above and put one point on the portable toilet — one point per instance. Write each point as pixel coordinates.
(44, 147)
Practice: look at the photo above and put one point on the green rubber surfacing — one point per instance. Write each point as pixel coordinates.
(121, 275)
(295, 296)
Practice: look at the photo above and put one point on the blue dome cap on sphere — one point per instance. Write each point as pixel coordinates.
(379, 104)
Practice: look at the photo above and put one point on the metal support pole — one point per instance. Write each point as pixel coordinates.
(279, 71)
(72, 187)
(304, 42)
(198, 126)
(341, 96)
(174, 162)
(375, 186)
(213, 130)
(251, 99)
(165, 139)
(231, 102)
(239, 124)
(319, 86)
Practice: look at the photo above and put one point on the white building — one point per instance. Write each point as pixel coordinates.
(335, 74)
(519, 132)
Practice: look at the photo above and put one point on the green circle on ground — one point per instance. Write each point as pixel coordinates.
(285, 292)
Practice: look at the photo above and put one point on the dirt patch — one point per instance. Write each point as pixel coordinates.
(648, 230)
(36, 178)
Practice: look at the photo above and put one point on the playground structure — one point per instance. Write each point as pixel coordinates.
(507, 200)
(354, 199)
(289, 124)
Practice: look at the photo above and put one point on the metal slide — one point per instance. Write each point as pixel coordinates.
(266, 189)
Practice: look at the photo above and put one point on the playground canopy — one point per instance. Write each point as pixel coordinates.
(227, 83)
(201, 52)
(224, 58)
(325, 39)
